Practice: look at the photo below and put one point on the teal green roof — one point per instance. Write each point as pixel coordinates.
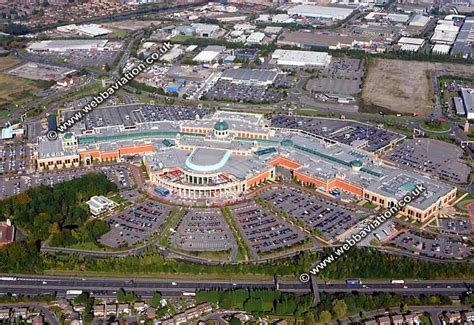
(408, 187)
(68, 135)
(167, 143)
(287, 143)
(221, 126)
(88, 139)
(356, 163)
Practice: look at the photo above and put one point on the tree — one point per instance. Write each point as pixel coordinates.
(339, 308)
(309, 319)
(234, 321)
(325, 317)
(155, 300)
(404, 307)
(121, 295)
(82, 299)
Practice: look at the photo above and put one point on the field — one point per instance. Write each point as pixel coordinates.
(405, 86)
(13, 88)
(6, 62)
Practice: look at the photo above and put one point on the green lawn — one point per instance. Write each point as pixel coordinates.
(119, 33)
(435, 126)
(369, 205)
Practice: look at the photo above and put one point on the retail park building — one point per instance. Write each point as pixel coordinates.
(225, 156)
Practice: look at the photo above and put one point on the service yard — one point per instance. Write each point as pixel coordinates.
(404, 86)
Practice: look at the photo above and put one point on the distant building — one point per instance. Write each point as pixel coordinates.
(206, 30)
(410, 43)
(98, 310)
(92, 30)
(255, 38)
(419, 21)
(68, 46)
(441, 49)
(7, 232)
(464, 44)
(250, 76)
(99, 204)
(209, 54)
(320, 12)
(12, 131)
(301, 58)
(4, 313)
(467, 95)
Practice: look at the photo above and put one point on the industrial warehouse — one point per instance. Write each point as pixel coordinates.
(249, 76)
(71, 46)
(224, 156)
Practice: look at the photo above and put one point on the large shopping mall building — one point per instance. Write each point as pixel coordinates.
(226, 155)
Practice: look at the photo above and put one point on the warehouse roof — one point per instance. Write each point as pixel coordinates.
(250, 75)
(79, 44)
(419, 20)
(468, 99)
(209, 53)
(301, 58)
(320, 11)
(441, 49)
(411, 40)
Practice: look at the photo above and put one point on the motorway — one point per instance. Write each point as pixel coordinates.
(169, 288)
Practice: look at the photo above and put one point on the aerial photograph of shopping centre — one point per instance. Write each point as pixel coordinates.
(236, 162)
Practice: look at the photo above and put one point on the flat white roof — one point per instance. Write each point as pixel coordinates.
(444, 37)
(301, 58)
(56, 45)
(411, 40)
(399, 18)
(320, 11)
(93, 30)
(410, 47)
(256, 37)
(419, 20)
(441, 49)
(206, 56)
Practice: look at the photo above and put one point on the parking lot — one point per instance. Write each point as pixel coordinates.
(437, 247)
(13, 185)
(343, 131)
(343, 76)
(203, 230)
(330, 218)
(334, 86)
(37, 71)
(135, 224)
(437, 158)
(344, 68)
(14, 158)
(264, 231)
(130, 115)
(456, 226)
(79, 59)
(228, 91)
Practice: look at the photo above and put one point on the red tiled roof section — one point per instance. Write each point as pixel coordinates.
(7, 233)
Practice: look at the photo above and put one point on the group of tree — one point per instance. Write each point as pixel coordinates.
(337, 306)
(358, 263)
(21, 257)
(370, 263)
(257, 301)
(128, 297)
(87, 301)
(58, 213)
